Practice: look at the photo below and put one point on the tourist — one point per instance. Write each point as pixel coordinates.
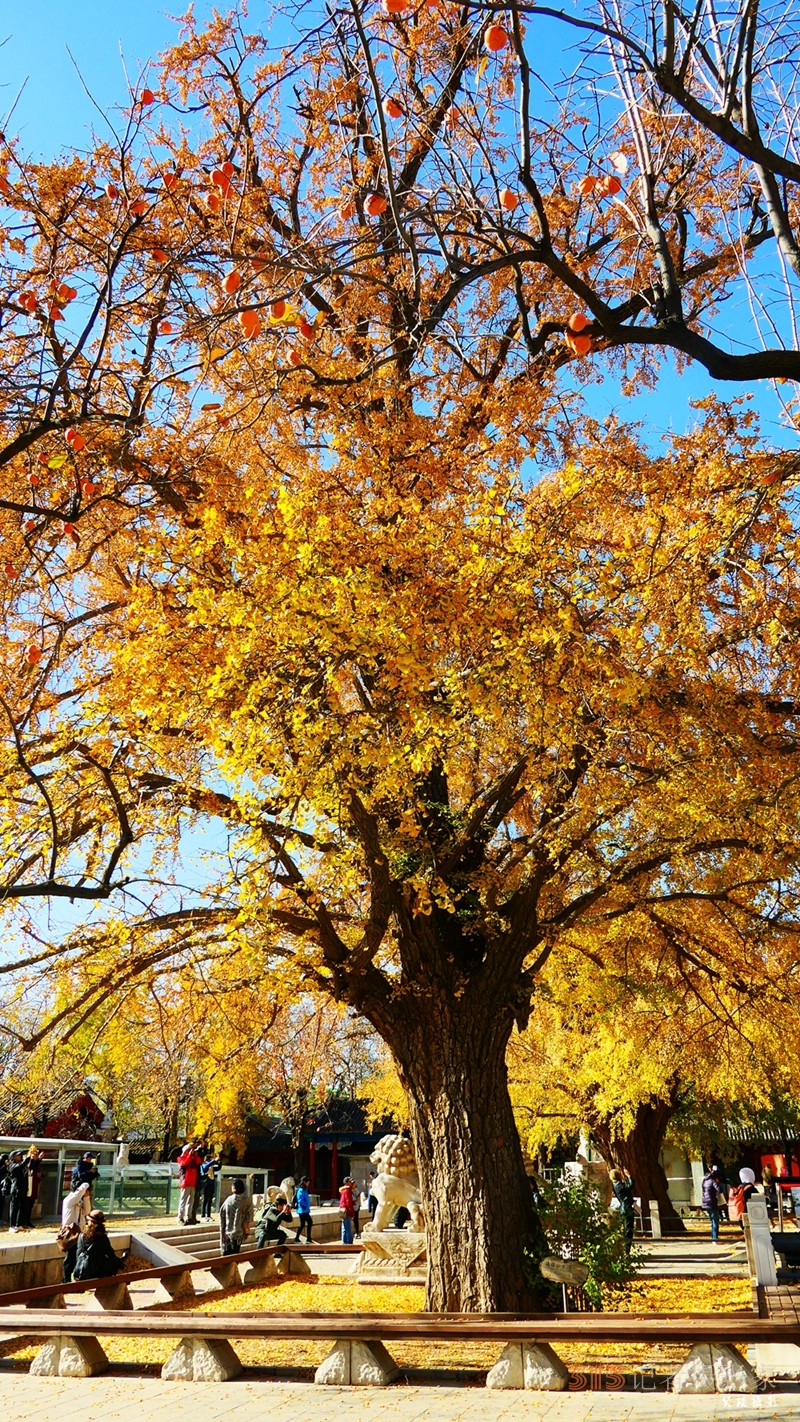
(373, 1203)
(189, 1162)
(711, 1192)
(770, 1190)
(95, 1257)
(623, 1189)
(32, 1164)
(208, 1183)
(235, 1218)
(85, 1171)
(17, 1190)
(275, 1213)
(74, 1219)
(5, 1186)
(302, 1204)
(347, 1209)
(740, 1194)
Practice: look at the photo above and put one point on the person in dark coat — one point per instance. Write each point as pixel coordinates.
(710, 1193)
(208, 1184)
(5, 1185)
(32, 1164)
(85, 1172)
(624, 1190)
(95, 1258)
(18, 1189)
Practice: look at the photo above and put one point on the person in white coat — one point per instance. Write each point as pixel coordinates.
(74, 1214)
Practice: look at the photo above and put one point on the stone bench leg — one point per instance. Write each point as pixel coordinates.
(714, 1367)
(201, 1360)
(289, 1263)
(113, 1296)
(68, 1357)
(55, 1301)
(260, 1270)
(359, 1364)
(534, 1366)
(227, 1276)
(174, 1286)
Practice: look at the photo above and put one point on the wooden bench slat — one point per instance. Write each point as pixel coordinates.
(385, 1327)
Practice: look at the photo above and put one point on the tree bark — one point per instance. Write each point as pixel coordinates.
(484, 1237)
(639, 1153)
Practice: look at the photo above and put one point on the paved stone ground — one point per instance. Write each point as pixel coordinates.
(130, 1399)
(695, 1257)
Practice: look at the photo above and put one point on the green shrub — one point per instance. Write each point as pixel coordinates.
(578, 1226)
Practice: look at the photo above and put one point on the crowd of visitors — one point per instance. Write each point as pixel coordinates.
(20, 1178)
(722, 1198)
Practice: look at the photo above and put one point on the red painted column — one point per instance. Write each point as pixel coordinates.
(335, 1168)
(312, 1167)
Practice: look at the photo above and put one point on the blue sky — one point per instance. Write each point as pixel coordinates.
(105, 37)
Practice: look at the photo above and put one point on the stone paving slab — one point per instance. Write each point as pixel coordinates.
(135, 1399)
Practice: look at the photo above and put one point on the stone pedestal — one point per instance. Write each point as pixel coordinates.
(227, 1276)
(291, 1263)
(393, 1256)
(112, 1296)
(201, 1360)
(66, 1357)
(357, 1364)
(534, 1366)
(173, 1286)
(761, 1255)
(715, 1367)
(259, 1270)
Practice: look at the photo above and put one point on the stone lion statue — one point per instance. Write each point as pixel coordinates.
(286, 1187)
(397, 1182)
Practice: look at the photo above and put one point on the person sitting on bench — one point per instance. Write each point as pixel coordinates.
(95, 1258)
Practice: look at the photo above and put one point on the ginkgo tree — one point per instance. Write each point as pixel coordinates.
(283, 365)
(631, 1037)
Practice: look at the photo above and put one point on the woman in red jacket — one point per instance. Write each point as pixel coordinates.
(347, 1209)
(189, 1162)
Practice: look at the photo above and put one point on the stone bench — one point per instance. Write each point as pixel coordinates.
(359, 1355)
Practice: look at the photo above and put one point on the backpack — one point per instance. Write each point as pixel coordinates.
(736, 1202)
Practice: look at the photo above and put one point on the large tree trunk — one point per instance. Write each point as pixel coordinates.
(484, 1237)
(639, 1153)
